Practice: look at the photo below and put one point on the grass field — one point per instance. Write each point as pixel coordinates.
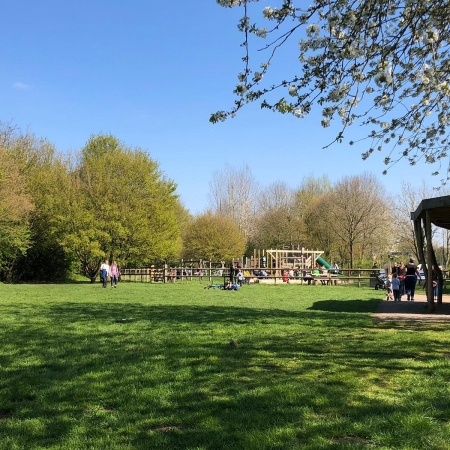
(266, 367)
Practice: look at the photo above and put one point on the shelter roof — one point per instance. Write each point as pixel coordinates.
(439, 209)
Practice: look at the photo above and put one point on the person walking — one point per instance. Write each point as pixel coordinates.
(114, 274)
(401, 271)
(104, 271)
(412, 273)
(396, 287)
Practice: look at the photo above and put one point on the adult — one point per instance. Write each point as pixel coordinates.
(401, 271)
(435, 283)
(412, 272)
(114, 274)
(104, 271)
(395, 268)
(236, 270)
(335, 268)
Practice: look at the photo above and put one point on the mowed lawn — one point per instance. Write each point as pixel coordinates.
(266, 367)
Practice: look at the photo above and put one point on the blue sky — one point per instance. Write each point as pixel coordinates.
(151, 73)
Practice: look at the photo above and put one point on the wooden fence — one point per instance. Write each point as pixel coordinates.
(165, 274)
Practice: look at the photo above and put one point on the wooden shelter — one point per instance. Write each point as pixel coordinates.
(434, 211)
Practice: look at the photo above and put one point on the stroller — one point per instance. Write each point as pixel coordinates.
(381, 282)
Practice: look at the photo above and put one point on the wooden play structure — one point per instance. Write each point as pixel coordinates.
(297, 259)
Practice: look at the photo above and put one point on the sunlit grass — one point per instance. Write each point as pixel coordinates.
(266, 367)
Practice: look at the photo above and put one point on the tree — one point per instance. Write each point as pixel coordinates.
(119, 206)
(213, 237)
(360, 214)
(233, 194)
(15, 209)
(387, 57)
(312, 199)
(279, 228)
(279, 222)
(39, 167)
(319, 220)
(407, 202)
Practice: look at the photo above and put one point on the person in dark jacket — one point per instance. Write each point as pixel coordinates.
(412, 273)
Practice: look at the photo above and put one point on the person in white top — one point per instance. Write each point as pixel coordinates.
(104, 271)
(335, 268)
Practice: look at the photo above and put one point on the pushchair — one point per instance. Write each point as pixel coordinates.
(381, 281)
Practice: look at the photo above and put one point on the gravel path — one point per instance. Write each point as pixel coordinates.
(413, 311)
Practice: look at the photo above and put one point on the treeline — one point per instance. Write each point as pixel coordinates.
(63, 214)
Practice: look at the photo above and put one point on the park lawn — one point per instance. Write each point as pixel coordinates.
(266, 367)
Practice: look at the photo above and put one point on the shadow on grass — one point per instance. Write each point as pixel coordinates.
(171, 379)
(348, 306)
(348, 311)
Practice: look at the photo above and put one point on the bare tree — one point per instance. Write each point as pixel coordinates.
(406, 202)
(233, 194)
(360, 213)
(277, 195)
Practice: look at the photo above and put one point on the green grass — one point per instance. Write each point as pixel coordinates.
(266, 367)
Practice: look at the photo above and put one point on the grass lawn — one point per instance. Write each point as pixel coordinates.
(266, 367)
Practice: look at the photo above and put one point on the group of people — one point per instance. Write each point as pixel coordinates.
(111, 271)
(402, 281)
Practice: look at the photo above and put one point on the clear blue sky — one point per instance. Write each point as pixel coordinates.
(151, 73)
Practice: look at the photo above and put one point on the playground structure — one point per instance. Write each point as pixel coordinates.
(278, 260)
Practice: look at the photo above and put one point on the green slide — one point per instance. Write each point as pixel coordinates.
(323, 263)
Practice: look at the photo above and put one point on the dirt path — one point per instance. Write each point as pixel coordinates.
(413, 311)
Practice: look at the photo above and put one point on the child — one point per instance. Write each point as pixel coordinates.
(389, 293)
(396, 287)
(240, 278)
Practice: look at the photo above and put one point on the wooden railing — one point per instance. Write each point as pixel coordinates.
(165, 274)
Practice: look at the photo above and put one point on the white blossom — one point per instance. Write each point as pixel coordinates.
(312, 30)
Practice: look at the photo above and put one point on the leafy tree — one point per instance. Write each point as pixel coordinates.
(313, 199)
(119, 206)
(47, 260)
(319, 223)
(388, 58)
(15, 209)
(43, 169)
(213, 237)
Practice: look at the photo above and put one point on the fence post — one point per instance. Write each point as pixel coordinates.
(210, 272)
(165, 273)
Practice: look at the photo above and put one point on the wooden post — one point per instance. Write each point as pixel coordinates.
(210, 272)
(429, 268)
(165, 273)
